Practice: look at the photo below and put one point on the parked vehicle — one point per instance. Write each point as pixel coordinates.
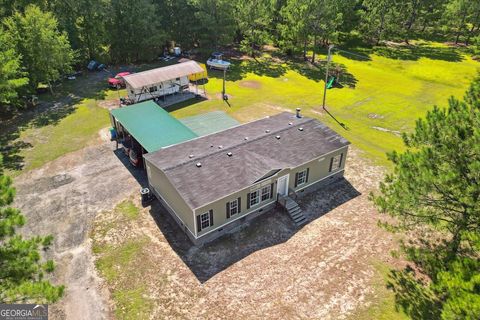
(136, 158)
(216, 61)
(118, 81)
(96, 66)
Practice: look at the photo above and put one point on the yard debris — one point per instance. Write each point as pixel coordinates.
(397, 133)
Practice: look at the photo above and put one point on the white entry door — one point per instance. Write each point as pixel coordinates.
(282, 185)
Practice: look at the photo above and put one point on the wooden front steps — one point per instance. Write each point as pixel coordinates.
(293, 210)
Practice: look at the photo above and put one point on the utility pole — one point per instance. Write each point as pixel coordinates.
(224, 96)
(329, 58)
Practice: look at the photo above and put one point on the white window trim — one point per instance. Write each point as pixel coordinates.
(233, 207)
(259, 194)
(207, 214)
(304, 177)
(268, 188)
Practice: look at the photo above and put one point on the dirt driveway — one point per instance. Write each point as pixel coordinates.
(267, 270)
(62, 198)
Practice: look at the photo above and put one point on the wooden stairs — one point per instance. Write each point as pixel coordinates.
(293, 210)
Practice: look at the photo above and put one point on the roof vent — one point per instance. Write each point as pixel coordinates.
(246, 138)
(298, 113)
(220, 147)
(199, 164)
(290, 123)
(191, 156)
(300, 129)
(267, 131)
(211, 146)
(278, 137)
(229, 154)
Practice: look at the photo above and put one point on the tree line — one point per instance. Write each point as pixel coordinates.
(41, 40)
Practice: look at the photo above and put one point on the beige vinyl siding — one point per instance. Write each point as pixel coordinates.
(219, 207)
(164, 188)
(318, 169)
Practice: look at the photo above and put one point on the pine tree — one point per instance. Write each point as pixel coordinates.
(435, 189)
(22, 269)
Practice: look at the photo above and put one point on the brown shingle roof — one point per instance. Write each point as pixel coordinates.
(151, 77)
(221, 175)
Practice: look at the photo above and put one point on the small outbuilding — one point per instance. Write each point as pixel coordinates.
(160, 82)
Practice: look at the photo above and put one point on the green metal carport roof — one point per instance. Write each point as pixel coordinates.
(153, 127)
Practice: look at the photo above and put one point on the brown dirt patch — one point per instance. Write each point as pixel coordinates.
(219, 96)
(108, 104)
(375, 116)
(251, 84)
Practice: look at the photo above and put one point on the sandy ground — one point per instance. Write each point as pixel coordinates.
(62, 198)
(268, 270)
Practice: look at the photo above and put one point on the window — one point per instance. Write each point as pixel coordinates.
(265, 193)
(336, 162)
(153, 89)
(254, 198)
(302, 177)
(205, 220)
(233, 207)
(260, 195)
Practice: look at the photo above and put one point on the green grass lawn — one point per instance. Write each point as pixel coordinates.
(73, 132)
(391, 90)
(388, 96)
(382, 306)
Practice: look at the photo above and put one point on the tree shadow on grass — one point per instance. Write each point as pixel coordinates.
(412, 295)
(316, 72)
(412, 285)
(50, 111)
(239, 69)
(415, 52)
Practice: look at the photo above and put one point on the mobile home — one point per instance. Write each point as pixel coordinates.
(160, 82)
(213, 183)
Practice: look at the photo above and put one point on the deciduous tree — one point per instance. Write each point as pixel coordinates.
(11, 77)
(45, 51)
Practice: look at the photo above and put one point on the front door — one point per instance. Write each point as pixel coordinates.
(282, 185)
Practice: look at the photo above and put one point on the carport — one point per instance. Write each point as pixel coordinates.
(145, 127)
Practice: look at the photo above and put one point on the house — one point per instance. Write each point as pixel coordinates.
(214, 183)
(160, 82)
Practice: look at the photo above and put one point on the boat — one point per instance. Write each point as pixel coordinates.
(216, 62)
